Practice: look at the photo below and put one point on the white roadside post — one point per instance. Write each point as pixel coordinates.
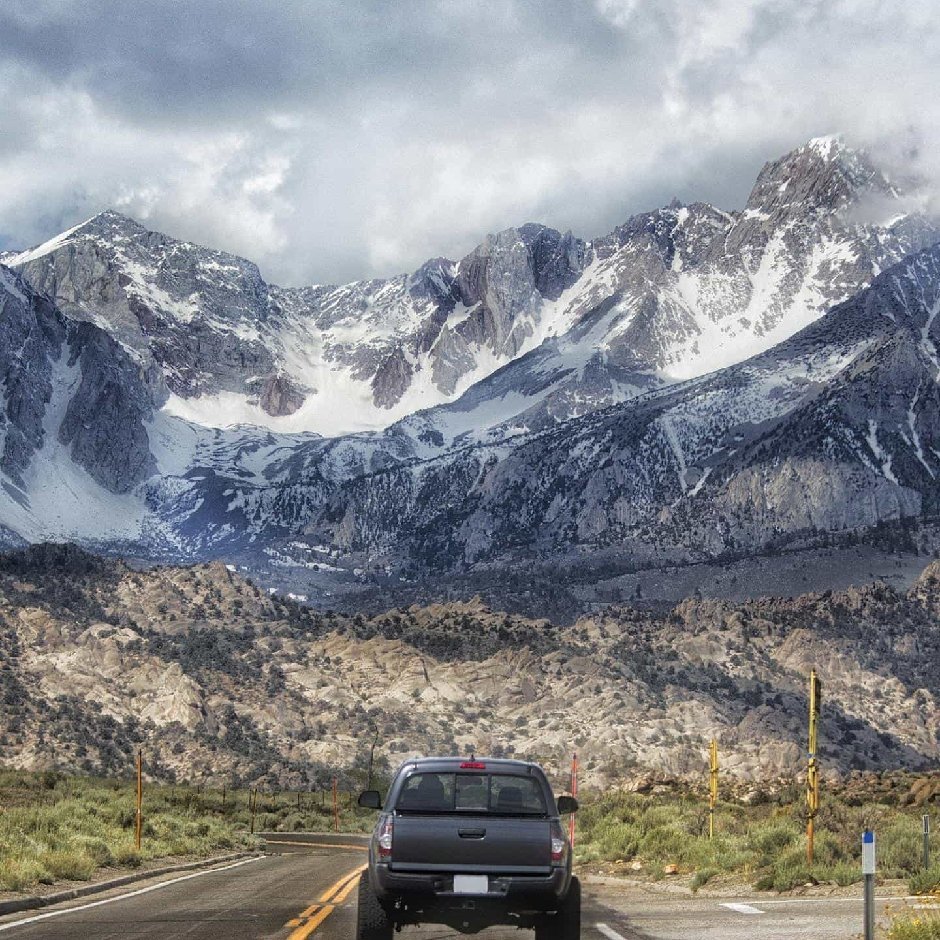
(926, 842)
(868, 870)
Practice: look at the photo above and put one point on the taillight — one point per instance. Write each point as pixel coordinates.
(472, 765)
(385, 838)
(559, 844)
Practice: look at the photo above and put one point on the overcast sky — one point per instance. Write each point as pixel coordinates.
(334, 140)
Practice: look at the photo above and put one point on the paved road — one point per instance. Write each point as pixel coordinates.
(653, 915)
(305, 888)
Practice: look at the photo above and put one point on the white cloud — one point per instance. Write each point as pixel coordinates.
(332, 141)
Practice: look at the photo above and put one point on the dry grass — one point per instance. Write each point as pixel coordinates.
(56, 828)
(764, 845)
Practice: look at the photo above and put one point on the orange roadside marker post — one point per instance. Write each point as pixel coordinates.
(812, 770)
(712, 787)
(574, 793)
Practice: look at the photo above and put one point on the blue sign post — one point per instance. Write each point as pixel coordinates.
(868, 870)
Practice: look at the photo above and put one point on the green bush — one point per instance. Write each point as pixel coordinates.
(128, 855)
(765, 844)
(70, 829)
(900, 849)
(663, 842)
(19, 874)
(925, 882)
(68, 864)
(95, 848)
(702, 877)
(918, 927)
(769, 840)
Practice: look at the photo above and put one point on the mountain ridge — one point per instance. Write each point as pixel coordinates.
(675, 281)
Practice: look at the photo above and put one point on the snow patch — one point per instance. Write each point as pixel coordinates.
(879, 452)
(61, 501)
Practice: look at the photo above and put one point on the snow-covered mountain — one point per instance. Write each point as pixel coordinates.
(673, 391)
(73, 424)
(685, 290)
(668, 295)
(836, 429)
(233, 349)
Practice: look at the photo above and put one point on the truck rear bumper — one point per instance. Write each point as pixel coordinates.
(530, 892)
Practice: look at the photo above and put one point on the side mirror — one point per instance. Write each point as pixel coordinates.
(566, 805)
(370, 799)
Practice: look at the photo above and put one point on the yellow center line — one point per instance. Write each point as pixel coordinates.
(301, 933)
(336, 894)
(319, 845)
(341, 883)
(353, 882)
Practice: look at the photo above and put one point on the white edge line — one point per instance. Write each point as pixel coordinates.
(853, 899)
(124, 897)
(741, 908)
(609, 932)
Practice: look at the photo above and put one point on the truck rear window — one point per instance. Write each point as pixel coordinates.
(498, 794)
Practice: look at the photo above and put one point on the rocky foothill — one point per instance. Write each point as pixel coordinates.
(220, 681)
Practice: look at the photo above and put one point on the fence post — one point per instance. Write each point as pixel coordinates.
(335, 806)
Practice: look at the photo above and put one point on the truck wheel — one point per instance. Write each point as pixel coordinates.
(372, 920)
(566, 924)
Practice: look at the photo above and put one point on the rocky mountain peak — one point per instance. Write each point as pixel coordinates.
(433, 280)
(105, 227)
(110, 221)
(678, 234)
(825, 175)
(514, 268)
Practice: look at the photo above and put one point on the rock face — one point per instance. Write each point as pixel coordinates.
(32, 334)
(279, 397)
(76, 410)
(229, 683)
(104, 424)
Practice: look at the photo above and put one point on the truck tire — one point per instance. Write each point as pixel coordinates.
(566, 924)
(372, 920)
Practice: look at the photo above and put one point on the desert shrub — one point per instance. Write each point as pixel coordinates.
(922, 926)
(702, 877)
(925, 882)
(68, 864)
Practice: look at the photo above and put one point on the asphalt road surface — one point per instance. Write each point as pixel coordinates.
(306, 887)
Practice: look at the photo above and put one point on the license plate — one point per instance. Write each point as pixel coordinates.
(471, 884)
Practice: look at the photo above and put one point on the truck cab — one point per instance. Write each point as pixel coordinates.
(469, 843)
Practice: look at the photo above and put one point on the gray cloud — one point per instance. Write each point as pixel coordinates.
(330, 140)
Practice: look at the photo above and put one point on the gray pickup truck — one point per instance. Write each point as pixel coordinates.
(469, 843)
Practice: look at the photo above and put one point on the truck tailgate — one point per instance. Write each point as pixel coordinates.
(472, 844)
